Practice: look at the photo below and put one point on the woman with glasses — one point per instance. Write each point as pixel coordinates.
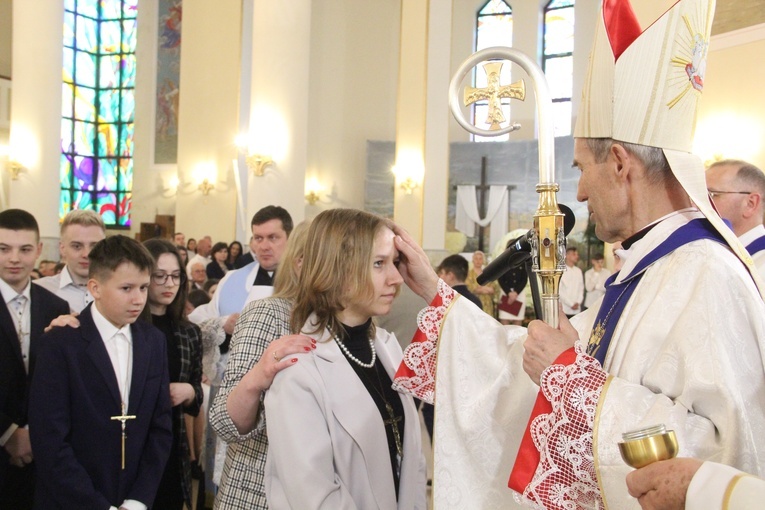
(165, 310)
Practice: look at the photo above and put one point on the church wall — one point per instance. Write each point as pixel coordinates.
(352, 93)
(731, 120)
(6, 35)
(208, 118)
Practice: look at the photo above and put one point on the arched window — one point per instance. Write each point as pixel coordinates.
(558, 60)
(98, 107)
(494, 27)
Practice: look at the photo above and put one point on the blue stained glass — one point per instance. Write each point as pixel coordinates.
(84, 104)
(559, 72)
(83, 173)
(559, 31)
(96, 168)
(126, 139)
(128, 105)
(111, 36)
(87, 36)
(107, 140)
(128, 71)
(556, 4)
(65, 171)
(129, 8)
(109, 71)
(109, 105)
(495, 7)
(84, 133)
(66, 100)
(85, 69)
(69, 29)
(111, 10)
(88, 7)
(107, 175)
(129, 34)
(126, 172)
(66, 135)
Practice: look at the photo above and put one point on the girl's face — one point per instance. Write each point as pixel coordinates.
(221, 255)
(192, 245)
(385, 281)
(235, 251)
(162, 294)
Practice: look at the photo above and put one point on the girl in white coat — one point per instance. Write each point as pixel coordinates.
(339, 436)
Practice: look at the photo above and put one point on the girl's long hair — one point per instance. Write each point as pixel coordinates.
(336, 267)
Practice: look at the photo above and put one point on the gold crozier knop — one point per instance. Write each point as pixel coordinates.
(123, 418)
(495, 92)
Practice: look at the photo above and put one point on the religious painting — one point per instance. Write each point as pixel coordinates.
(168, 81)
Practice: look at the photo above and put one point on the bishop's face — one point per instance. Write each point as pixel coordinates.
(605, 193)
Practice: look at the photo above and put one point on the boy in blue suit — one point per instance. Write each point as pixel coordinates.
(99, 411)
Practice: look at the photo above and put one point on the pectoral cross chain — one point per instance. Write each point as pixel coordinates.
(123, 418)
(392, 422)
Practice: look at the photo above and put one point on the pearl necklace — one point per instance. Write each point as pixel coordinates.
(354, 358)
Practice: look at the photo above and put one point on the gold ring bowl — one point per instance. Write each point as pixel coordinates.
(647, 450)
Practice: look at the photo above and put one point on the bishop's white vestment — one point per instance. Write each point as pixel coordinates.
(684, 352)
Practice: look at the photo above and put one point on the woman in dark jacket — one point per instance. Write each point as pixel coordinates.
(165, 310)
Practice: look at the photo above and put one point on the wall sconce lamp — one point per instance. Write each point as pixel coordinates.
(408, 185)
(206, 186)
(15, 168)
(312, 197)
(258, 163)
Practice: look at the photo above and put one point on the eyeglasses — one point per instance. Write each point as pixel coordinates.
(161, 278)
(714, 193)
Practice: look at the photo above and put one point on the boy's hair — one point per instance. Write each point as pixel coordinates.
(198, 297)
(110, 253)
(598, 256)
(19, 219)
(273, 212)
(456, 265)
(209, 283)
(83, 217)
(157, 248)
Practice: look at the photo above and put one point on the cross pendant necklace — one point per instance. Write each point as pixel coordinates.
(392, 422)
(123, 418)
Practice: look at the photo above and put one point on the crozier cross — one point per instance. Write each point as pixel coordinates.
(494, 92)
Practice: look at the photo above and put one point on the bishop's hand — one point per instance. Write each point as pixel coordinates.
(414, 266)
(544, 344)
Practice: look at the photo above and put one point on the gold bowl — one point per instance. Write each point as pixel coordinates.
(646, 450)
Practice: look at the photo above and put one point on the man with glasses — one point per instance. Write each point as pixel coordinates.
(737, 189)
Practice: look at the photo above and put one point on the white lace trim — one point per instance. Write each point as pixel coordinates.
(417, 374)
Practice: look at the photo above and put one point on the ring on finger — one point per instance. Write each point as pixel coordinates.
(276, 357)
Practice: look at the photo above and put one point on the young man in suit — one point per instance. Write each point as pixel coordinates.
(100, 411)
(25, 310)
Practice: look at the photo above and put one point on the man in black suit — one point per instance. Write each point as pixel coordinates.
(25, 310)
(99, 413)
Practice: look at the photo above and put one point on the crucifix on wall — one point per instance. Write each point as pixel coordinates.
(482, 205)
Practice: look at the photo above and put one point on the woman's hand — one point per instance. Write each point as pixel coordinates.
(276, 358)
(181, 393)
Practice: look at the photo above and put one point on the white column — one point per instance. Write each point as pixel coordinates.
(436, 190)
(36, 110)
(278, 119)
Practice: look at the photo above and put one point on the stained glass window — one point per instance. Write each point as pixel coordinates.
(494, 27)
(98, 106)
(558, 60)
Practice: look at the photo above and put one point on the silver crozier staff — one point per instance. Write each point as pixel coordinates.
(548, 243)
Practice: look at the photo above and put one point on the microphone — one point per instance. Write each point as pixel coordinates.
(520, 250)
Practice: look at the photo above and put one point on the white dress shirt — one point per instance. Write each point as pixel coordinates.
(64, 287)
(119, 345)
